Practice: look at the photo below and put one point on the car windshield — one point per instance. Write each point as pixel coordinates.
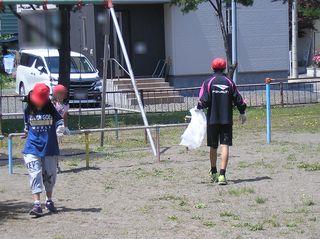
(78, 65)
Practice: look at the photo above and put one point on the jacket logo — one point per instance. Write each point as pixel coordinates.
(222, 89)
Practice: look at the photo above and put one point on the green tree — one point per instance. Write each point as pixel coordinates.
(218, 7)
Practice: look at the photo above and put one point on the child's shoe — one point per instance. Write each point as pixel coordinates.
(214, 177)
(50, 206)
(36, 210)
(222, 180)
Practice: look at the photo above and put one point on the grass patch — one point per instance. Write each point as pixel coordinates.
(258, 164)
(209, 223)
(196, 217)
(169, 197)
(291, 157)
(294, 223)
(312, 219)
(73, 163)
(173, 218)
(200, 205)
(108, 187)
(272, 221)
(145, 209)
(250, 226)
(309, 166)
(240, 191)
(260, 200)
(166, 174)
(229, 214)
(307, 201)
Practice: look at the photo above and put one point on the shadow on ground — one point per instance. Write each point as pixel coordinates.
(78, 170)
(11, 209)
(250, 180)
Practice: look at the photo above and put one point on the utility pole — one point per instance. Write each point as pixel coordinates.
(64, 46)
(104, 86)
(294, 47)
(234, 39)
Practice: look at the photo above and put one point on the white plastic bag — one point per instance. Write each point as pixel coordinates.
(8, 62)
(196, 130)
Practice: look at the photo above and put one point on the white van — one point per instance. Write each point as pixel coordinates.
(42, 65)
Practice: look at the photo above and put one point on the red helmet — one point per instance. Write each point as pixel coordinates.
(219, 64)
(59, 89)
(40, 94)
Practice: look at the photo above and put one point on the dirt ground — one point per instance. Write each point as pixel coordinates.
(273, 190)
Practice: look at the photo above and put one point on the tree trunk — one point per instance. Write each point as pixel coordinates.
(64, 48)
(231, 67)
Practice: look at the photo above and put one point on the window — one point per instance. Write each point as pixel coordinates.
(83, 65)
(78, 65)
(40, 62)
(24, 59)
(27, 60)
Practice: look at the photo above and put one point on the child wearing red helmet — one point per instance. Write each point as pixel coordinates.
(42, 125)
(59, 101)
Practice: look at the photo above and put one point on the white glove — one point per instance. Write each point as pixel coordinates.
(67, 131)
(60, 130)
(243, 118)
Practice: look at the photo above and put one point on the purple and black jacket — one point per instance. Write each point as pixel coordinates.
(219, 94)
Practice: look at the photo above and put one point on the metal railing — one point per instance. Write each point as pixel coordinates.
(161, 69)
(113, 70)
(181, 99)
(87, 132)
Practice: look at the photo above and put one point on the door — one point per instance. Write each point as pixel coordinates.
(142, 28)
(30, 73)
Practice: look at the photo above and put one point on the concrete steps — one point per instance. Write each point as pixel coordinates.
(155, 91)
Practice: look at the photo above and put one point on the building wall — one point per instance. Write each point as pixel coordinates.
(194, 39)
(263, 37)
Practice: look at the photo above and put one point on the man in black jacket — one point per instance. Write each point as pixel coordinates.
(219, 94)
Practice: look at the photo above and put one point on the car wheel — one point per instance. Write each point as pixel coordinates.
(22, 90)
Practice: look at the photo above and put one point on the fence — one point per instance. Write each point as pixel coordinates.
(87, 132)
(182, 99)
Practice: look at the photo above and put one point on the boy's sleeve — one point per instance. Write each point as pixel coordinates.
(238, 100)
(204, 96)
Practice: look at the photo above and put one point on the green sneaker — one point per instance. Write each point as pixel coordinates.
(222, 180)
(214, 177)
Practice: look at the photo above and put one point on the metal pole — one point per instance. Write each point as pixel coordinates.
(294, 39)
(10, 160)
(116, 121)
(158, 143)
(268, 109)
(133, 81)
(104, 88)
(234, 38)
(86, 137)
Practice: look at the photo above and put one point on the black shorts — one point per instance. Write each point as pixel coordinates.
(219, 133)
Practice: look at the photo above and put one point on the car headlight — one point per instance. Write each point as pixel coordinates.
(98, 85)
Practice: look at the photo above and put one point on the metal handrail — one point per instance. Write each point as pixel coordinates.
(156, 69)
(115, 60)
